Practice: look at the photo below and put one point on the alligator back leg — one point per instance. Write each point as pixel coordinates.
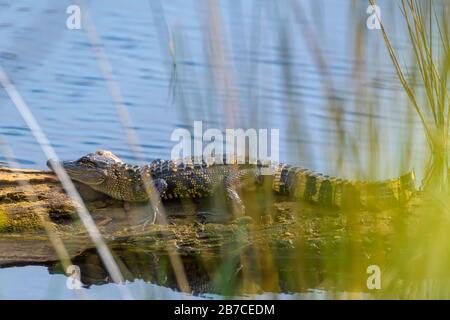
(234, 181)
(235, 200)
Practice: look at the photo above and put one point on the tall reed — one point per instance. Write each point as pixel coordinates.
(429, 39)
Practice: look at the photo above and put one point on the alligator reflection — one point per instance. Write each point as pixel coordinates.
(206, 274)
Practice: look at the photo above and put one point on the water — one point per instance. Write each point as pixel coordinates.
(33, 282)
(56, 72)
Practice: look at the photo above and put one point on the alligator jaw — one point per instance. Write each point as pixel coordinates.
(79, 172)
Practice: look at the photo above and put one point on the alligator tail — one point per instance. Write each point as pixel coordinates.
(328, 191)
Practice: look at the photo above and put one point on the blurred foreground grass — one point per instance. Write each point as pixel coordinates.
(409, 244)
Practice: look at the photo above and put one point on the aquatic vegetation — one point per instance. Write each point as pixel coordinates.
(425, 84)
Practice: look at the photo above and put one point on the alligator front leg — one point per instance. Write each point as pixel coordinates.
(160, 187)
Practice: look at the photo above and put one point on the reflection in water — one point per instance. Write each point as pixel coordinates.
(203, 271)
(33, 282)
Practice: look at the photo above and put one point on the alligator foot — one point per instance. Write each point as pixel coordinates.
(126, 207)
(151, 218)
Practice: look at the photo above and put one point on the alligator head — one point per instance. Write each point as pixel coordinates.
(91, 169)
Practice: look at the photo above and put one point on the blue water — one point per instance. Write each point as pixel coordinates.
(57, 74)
(33, 282)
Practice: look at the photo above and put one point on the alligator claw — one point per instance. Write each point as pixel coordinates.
(152, 218)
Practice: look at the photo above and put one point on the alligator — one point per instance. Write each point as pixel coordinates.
(194, 178)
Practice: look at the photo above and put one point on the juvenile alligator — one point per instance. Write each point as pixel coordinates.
(105, 172)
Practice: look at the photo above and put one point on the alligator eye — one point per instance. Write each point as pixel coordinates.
(86, 162)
